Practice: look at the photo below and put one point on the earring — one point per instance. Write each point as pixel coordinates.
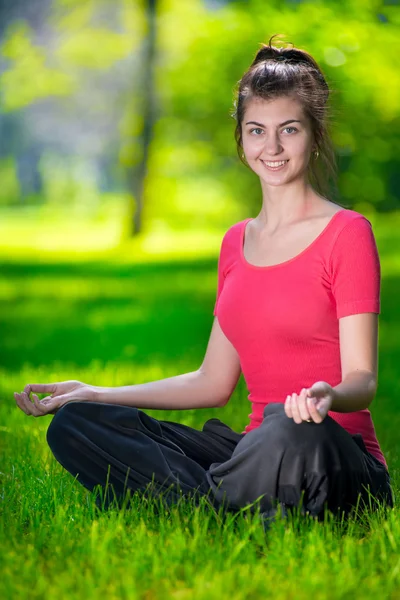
(316, 154)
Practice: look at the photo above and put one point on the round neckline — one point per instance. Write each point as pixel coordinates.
(286, 262)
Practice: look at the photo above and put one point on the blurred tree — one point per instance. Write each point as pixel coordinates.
(80, 84)
(66, 83)
(148, 101)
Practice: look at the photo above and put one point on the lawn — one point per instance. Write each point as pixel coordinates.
(125, 315)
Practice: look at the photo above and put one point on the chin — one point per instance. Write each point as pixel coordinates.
(276, 179)
(276, 183)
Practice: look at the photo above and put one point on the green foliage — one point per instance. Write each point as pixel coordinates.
(202, 50)
(198, 68)
(95, 48)
(29, 79)
(68, 182)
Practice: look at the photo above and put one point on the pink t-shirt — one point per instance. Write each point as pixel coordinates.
(283, 320)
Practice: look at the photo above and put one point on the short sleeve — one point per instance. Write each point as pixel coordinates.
(221, 277)
(355, 269)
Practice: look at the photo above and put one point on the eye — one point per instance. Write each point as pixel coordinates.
(294, 128)
(258, 129)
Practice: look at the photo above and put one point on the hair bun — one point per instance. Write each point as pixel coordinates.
(285, 54)
(293, 56)
(266, 53)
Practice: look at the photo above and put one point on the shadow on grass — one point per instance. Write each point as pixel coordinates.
(98, 311)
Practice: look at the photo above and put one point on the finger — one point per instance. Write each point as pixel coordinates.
(20, 403)
(58, 400)
(312, 407)
(40, 407)
(302, 404)
(26, 403)
(288, 407)
(295, 409)
(31, 406)
(46, 399)
(51, 405)
(41, 388)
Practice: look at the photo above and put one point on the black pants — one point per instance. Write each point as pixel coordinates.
(313, 466)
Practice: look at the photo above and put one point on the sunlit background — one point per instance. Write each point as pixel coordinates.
(115, 115)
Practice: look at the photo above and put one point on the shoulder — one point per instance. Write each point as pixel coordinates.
(232, 236)
(348, 216)
(353, 243)
(351, 227)
(230, 245)
(236, 228)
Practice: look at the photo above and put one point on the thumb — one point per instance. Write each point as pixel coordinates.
(314, 395)
(57, 401)
(318, 389)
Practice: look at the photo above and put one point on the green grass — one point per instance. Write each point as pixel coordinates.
(121, 317)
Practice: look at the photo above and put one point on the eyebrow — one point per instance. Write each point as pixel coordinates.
(280, 125)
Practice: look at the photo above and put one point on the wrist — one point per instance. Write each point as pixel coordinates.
(93, 393)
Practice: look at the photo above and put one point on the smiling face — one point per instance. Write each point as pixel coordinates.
(277, 139)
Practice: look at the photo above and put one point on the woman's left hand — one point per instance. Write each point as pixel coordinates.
(312, 404)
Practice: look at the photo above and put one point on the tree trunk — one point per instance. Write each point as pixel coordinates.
(148, 102)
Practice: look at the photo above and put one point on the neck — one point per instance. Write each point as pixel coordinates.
(286, 204)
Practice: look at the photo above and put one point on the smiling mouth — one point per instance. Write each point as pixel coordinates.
(274, 165)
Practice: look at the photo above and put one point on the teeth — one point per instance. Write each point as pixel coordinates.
(275, 164)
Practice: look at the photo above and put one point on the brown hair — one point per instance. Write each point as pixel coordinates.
(277, 72)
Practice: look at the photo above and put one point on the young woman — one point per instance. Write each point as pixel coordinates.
(297, 311)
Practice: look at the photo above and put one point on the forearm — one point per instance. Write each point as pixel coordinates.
(190, 390)
(355, 392)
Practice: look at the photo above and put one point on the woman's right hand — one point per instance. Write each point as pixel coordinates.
(60, 393)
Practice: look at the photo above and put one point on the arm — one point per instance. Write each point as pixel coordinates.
(359, 360)
(355, 275)
(358, 355)
(210, 386)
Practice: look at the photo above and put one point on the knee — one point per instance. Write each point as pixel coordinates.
(276, 412)
(58, 430)
(280, 427)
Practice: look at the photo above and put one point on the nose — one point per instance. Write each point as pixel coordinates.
(272, 145)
